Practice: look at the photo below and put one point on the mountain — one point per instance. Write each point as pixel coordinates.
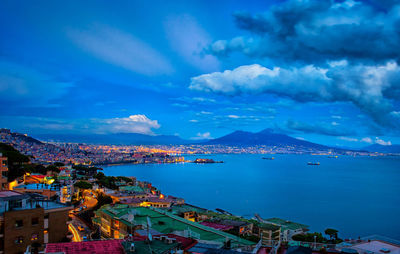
(266, 137)
(116, 139)
(383, 149)
(238, 138)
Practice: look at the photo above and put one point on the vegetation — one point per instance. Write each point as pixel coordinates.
(102, 199)
(333, 233)
(310, 237)
(106, 181)
(83, 185)
(318, 237)
(15, 160)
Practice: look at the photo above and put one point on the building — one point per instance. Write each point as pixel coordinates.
(187, 211)
(48, 190)
(118, 221)
(3, 172)
(29, 218)
(66, 193)
(371, 244)
(289, 228)
(268, 232)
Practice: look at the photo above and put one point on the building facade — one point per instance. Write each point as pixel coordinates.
(26, 219)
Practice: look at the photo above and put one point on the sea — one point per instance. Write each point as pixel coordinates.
(359, 196)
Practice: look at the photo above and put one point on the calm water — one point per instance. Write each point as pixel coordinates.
(358, 196)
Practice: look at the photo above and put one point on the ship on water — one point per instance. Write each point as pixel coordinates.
(333, 156)
(313, 163)
(268, 158)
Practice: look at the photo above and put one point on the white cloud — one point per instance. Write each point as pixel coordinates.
(121, 49)
(367, 87)
(205, 135)
(234, 116)
(367, 140)
(382, 142)
(348, 139)
(132, 124)
(193, 121)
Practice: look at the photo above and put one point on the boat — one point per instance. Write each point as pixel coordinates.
(268, 158)
(313, 163)
(333, 156)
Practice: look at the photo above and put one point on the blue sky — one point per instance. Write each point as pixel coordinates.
(324, 71)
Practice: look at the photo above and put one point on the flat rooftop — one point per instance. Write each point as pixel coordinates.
(37, 186)
(8, 193)
(378, 247)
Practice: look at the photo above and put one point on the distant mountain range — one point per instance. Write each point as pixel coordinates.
(116, 139)
(383, 149)
(237, 138)
(266, 137)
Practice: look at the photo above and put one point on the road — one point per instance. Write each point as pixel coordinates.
(76, 226)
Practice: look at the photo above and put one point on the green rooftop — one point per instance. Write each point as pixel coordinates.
(166, 222)
(286, 224)
(153, 247)
(177, 209)
(132, 188)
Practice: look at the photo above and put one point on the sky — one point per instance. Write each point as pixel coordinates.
(322, 71)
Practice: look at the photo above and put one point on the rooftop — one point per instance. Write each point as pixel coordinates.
(146, 247)
(8, 193)
(216, 225)
(91, 247)
(38, 186)
(377, 246)
(165, 222)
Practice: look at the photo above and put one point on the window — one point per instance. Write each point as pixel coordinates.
(35, 221)
(19, 240)
(34, 237)
(15, 204)
(19, 223)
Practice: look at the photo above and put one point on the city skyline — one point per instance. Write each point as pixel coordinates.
(323, 71)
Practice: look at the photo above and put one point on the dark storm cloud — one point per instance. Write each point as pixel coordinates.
(316, 31)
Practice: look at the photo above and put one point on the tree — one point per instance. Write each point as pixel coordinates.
(333, 233)
(16, 161)
(83, 185)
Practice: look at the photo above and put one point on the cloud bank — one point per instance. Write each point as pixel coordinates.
(372, 88)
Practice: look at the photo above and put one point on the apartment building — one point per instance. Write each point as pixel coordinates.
(26, 219)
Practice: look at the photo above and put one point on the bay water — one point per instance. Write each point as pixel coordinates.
(359, 196)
